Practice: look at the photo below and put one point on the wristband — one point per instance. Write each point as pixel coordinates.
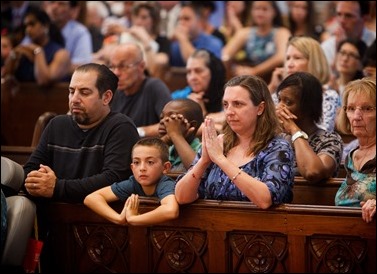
(37, 50)
(13, 55)
(141, 131)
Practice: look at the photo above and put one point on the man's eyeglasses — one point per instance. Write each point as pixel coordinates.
(123, 66)
(346, 15)
(343, 53)
(362, 109)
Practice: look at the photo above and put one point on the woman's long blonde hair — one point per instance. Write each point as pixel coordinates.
(312, 50)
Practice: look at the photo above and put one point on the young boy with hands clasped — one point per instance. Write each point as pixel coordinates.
(149, 165)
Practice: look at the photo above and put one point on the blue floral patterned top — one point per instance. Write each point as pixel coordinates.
(358, 185)
(330, 104)
(273, 166)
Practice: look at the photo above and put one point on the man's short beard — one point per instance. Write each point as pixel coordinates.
(81, 119)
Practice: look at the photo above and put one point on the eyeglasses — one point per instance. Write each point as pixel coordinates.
(123, 66)
(346, 15)
(343, 53)
(363, 109)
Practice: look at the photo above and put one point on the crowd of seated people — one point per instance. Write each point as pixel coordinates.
(44, 60)
(251, 152)
(253, 33)
(264, 42)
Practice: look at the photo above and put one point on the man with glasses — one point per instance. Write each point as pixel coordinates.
(138, 96)
(351, 16)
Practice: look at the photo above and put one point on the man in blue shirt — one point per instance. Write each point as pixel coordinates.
(189, 35)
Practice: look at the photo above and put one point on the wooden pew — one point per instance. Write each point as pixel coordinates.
(217, 237)
(175, 78)
(23, 103)
(214, 237)
(40, 125)
(19, 154)
(321, 193)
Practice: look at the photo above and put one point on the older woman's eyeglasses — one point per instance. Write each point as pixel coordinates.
(362, 109)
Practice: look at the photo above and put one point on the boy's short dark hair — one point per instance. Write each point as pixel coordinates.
(192, 111)
(157, 143)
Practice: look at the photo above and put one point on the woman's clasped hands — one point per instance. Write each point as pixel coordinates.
(212, 144)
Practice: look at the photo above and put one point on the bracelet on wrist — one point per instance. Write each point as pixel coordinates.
(141, 132)
(13, 55)
(235, 176)
(193, 175)
(37, 50)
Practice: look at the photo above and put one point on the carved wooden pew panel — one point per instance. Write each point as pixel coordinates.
(216, 237)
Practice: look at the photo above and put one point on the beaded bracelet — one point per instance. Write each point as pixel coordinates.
(193, 175)
(235, 176)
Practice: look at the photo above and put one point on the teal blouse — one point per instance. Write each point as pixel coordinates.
(359, 185)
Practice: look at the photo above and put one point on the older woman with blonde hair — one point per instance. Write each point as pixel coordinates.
(358, 117)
